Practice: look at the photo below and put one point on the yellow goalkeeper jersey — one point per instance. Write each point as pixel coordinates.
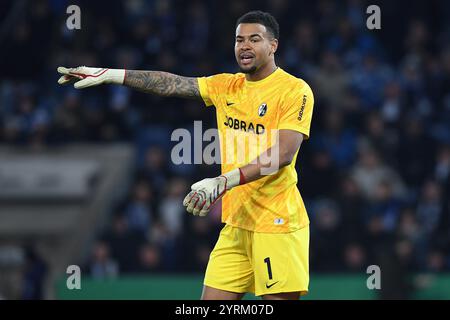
(249, 113)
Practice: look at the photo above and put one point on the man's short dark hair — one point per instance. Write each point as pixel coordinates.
(264, 18)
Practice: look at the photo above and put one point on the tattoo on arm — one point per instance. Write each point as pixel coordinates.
(162, 83)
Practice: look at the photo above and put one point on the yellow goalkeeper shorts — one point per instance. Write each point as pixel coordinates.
(260, 263)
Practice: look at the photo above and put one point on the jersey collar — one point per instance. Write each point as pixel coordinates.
(266, 79)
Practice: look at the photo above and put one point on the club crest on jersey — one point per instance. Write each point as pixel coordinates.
(278, 221)
(262, 109)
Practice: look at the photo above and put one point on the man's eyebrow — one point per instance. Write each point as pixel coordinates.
(250, 36)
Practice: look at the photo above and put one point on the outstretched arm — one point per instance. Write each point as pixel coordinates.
(155, 82)
(162, 83)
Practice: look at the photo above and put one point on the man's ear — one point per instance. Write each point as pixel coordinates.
(274, 45)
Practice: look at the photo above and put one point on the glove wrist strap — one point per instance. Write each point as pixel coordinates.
(233, 178)
(115, 76)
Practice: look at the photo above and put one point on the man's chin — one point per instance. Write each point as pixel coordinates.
(248, 70)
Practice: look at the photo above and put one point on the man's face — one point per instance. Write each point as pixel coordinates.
(254, 46)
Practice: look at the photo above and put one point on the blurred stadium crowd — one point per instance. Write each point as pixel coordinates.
(375, 175)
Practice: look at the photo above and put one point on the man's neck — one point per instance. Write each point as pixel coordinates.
(262, 72)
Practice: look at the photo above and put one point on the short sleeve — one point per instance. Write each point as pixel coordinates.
(212, 87)
(297, 110)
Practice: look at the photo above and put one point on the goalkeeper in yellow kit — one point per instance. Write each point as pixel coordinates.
(264, 245)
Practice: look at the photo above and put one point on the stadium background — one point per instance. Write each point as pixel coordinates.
(86, 177)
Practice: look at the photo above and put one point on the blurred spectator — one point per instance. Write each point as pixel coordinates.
(355, 259)
(370, 171)
(172, 211)
(124, 244)
(34, 275)
(393, 104)
(154, 168)
(168, 246)
(429, 208)
(321, 169)
(369, 79)
(442, 166)
(196, 32)
(102, 266)
(331, 80)
(149, 259)
(436, 261)
(412, 83)
(352, 206)
(414, 162)
(384, 210)
(69, 118)
(429, 216)
(408, 227)
(199, 240)
(417, 38)
(326, 239)
(138, 212)
(382, 138)
(337, 139)
(394, 262)
(302, 48)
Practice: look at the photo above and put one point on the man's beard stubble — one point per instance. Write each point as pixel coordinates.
(248, 71)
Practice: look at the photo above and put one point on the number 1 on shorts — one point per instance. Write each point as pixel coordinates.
(269, 269)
